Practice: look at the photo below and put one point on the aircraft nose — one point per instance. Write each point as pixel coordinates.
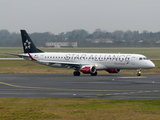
(151, 64)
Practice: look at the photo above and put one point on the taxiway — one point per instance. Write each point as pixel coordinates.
(84, 86)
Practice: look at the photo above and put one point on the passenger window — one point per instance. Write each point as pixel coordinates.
(140, 58)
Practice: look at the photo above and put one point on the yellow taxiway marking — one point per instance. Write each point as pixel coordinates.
(134, 77)
(118, 92)
(59, 89)
(15, 85)
(132, 92)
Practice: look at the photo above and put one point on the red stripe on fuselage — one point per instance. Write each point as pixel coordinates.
(32, 57)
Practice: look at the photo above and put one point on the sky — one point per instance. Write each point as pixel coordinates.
(57, 16)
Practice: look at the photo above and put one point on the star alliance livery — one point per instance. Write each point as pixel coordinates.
(87, 63)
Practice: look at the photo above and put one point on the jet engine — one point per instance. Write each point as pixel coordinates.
(88, 69)
(113, 70)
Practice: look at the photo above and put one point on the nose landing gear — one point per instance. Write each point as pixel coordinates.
(139, 72)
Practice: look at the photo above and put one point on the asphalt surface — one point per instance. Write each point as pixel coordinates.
(84, 86)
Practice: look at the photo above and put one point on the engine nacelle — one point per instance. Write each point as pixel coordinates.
(113, 70)
(88, 69)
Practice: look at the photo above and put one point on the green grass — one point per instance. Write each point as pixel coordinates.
(78, 109)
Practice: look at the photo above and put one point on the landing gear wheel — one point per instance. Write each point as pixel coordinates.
(94, 74)
(76, 73)
(139, 72)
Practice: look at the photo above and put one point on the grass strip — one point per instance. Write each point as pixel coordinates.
(78, 109)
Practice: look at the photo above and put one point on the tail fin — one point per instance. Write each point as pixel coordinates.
(28, 45)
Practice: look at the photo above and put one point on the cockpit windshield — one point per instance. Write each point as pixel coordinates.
(144, 58)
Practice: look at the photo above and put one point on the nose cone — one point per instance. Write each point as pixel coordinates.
(151, 64)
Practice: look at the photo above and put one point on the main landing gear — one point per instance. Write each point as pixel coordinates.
(77, 73)
(139, 72)
(94, 74)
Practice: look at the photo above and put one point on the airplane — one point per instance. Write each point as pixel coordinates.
(86, 63)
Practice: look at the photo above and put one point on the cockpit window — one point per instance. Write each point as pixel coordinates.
(143, 58)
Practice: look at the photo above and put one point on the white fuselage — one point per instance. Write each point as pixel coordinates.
(102, 61)
(87, 63)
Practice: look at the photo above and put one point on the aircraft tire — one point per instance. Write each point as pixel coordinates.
(138, 74)
(76, 73)
(94, 74)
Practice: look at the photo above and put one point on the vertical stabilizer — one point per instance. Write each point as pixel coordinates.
(28, 45)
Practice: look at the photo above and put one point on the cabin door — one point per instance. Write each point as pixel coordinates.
(133, 60)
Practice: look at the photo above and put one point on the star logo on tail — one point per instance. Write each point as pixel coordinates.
(27, 44)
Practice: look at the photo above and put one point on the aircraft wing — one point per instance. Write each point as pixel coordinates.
(61, 64)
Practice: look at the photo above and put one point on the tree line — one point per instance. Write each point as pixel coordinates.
(99, 38)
